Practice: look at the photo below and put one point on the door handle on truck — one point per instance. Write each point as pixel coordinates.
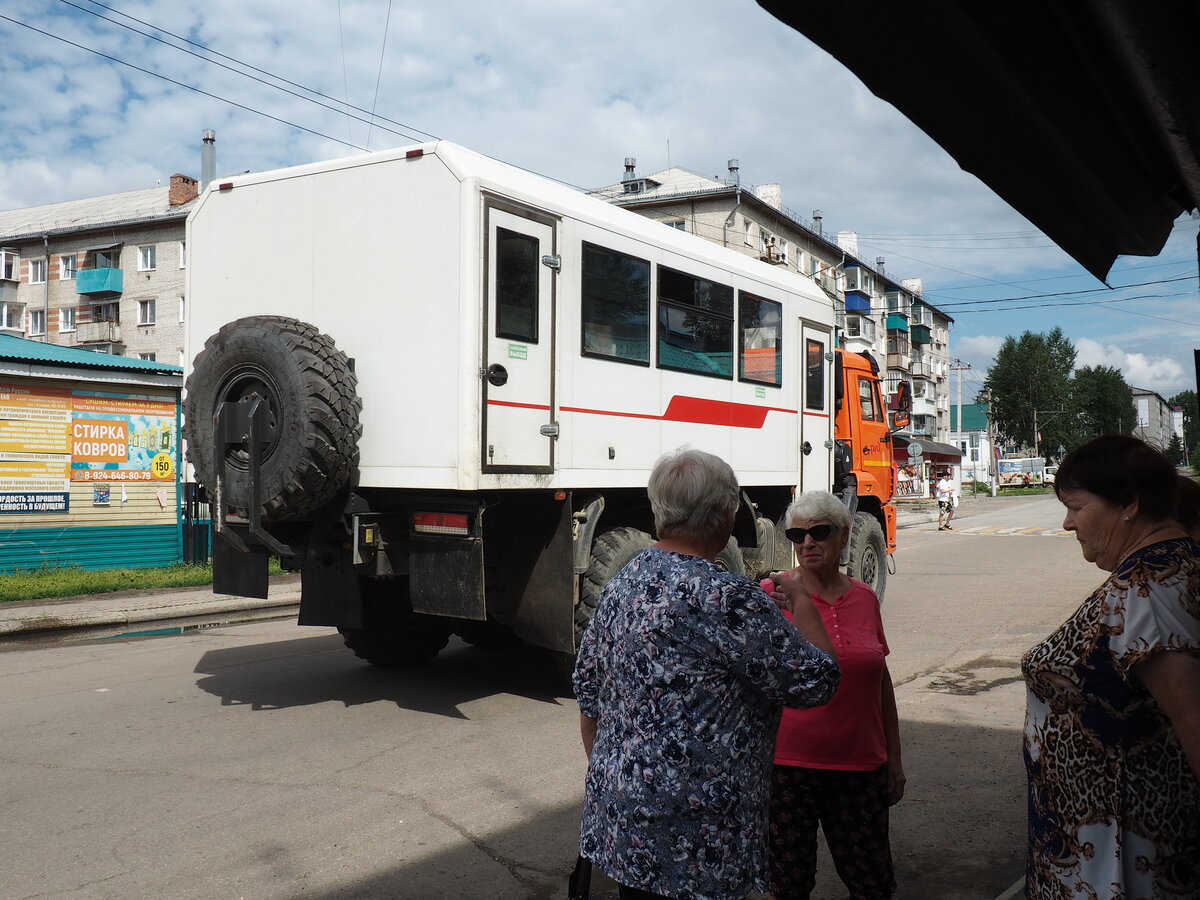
(497, 375)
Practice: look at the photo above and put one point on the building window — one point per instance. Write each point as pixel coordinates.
(37, 271)
(10, 265)
(746, 233)
(37, 321)
(181, 310)
(677, 224)
(695, 324)
(108, 259)
(149, 357)
(760, 350)
(146, 312)
(10, 315)
(783, 251)
(66, 319)
(66, 267)
(106, 312)
(615, 296)
(183, 254)
(147, 258)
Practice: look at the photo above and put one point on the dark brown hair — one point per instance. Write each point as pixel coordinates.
(1121, 469)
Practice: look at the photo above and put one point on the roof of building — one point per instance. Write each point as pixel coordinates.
(23, 350)
(1146, 392)
(145, 205)
(974, 416)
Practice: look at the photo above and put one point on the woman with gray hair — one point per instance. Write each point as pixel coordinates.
(680, 677)
(838, 766)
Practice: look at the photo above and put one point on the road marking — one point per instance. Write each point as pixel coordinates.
(1008, 532)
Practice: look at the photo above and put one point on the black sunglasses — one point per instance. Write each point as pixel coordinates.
(818, 532)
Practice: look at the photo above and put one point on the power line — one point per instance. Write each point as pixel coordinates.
(181, 84)
(209, 52)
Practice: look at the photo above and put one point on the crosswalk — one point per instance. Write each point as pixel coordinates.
(1007, 531)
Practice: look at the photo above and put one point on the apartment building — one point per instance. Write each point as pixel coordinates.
(1155, 423)
(875, 312)
(104, 273)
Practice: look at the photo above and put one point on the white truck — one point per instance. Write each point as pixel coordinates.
(435, 384)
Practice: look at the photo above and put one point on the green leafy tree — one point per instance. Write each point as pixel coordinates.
(1103, 401)
(1191, 416)
(1031, 379)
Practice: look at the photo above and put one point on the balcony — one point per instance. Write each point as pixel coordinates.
(98, 332)
(920, 334)
(857, 302)
(897, 322)
(99, 281)
(899, 361)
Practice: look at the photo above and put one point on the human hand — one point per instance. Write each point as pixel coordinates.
(895, 783)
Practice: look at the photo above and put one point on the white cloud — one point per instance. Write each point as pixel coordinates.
(1160, 373)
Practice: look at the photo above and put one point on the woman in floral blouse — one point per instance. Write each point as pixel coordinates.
(1112, 727)
(680, 679)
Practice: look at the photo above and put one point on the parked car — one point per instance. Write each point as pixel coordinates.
(1048, 474)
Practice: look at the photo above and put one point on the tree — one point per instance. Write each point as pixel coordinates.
(1104, 402)
(1175, 450)
(1191, 416)
(1031, 379)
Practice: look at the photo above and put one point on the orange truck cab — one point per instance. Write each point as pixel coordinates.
(864, 475)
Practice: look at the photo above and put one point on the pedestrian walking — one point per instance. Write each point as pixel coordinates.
(944, 492)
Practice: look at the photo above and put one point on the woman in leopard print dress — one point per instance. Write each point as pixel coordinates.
(1112, 729)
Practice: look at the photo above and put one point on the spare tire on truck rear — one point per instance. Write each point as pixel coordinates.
(313, 408)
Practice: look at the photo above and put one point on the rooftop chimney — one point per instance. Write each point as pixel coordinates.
(182, 190)
(848, 241)
(817, 220)
(879, 261)
(734, 168)
(208, 157)
(630, 167)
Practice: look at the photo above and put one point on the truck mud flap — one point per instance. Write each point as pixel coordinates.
(446, 577)
(237, 572)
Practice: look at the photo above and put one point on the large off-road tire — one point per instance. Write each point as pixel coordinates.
(868, 553)
(392, 634)
(730, 559)
(313, 408)
(774, 552)
(610, 552)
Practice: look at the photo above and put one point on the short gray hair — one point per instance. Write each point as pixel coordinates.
(692, 494)
(815, 506)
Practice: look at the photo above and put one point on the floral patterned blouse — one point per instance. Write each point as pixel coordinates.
(685, 667)
(1114, 809)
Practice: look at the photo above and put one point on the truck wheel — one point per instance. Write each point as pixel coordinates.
(392, 634)
(312, 403)
(611, 551)
(773, 553)
(868, 553)
(730, 559)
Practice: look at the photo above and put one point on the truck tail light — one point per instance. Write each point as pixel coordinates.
(442, 523)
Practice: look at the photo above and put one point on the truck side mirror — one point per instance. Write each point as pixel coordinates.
(901, 404)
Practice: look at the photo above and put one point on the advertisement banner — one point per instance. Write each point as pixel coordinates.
(50, 437)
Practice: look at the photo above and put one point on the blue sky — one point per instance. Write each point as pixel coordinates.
(567, 89)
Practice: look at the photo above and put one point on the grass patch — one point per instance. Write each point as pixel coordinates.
(72, 581)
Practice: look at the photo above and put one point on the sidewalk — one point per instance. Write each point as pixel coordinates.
(194, 606)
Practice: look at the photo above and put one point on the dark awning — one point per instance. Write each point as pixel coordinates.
(928, 447)
(98, 247)
(1083, 116)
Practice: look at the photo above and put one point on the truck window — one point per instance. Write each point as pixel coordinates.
(814, 374)
(615, 299)
(760, 350)
(516, 286)
(868, 398)
(695, 324)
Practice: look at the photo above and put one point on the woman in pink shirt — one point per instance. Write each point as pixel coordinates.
(836, 765)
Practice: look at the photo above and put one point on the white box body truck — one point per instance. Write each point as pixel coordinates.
(435, 384)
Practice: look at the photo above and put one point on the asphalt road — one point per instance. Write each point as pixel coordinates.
(265, 761)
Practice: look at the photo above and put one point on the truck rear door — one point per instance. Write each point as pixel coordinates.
(816, 411)
(518, 364)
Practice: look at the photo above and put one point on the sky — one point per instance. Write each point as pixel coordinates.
(103, 98)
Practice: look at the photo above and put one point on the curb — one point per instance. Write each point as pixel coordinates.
(1015, 890)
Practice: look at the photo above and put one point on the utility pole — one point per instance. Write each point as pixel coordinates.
(959, 366)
